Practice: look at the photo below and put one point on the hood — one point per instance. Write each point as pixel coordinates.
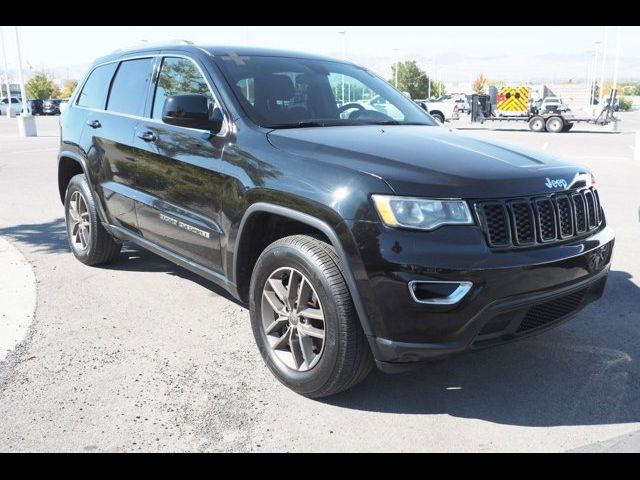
(432, 161)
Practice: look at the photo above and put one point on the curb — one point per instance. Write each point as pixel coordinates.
(17, 297)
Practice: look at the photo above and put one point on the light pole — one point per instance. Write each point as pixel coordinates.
(397, 55)
(604, 61)
(6, 73)
(592, 89)
(344, 57)
(26, 121)
(617, 62)
(429, 77)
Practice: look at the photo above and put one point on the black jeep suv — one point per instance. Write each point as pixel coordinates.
(354, 234)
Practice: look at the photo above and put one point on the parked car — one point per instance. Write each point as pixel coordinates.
(441, 111)
(354, 239)
(51, 107)
(16, 105)
(36, 106)
(63, 105)
(552, 105)
(460, 99)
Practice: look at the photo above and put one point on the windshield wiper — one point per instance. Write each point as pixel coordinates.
(309, 124)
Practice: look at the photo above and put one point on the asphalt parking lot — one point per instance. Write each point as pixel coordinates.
(142, 355)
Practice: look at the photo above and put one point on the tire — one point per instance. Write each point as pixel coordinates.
(91, 243)
(333, 364)
(555, 124)
(567, 127)
(438, 116)
(537, 124)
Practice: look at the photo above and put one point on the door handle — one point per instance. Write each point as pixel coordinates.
(147, 136)
(94, 123)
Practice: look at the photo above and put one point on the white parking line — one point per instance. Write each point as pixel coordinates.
(17, 297)
(545, 145)
(50, 149)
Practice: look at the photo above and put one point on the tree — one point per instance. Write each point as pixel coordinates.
(55, 91)
(413, 79)
(625, 104)
(636, 89)
(69, 87)
(480, 84)
(40, 86)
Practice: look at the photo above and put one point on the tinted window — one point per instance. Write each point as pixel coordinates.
(129, 89)
(179, 76)
(94, 92)
(282, 92)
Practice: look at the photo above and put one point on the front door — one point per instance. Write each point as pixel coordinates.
(178, 170)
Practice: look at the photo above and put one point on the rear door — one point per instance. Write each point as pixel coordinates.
(179, 171)
(108, 138)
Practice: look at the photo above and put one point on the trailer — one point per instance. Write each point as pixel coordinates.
(482, 110)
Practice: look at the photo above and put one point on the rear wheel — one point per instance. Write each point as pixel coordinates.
(88, 239)
(555, 124)
(303, 318)
(537, 124)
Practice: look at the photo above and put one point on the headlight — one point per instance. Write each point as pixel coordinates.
(421, 213)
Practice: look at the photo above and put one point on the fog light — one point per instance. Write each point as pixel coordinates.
(439, 293)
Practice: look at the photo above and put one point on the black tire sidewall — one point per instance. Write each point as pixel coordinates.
(537, 119)
(79, 183)
(289, 256)
(550, 122)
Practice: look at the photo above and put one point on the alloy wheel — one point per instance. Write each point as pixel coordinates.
(79, 222)
(293, 319)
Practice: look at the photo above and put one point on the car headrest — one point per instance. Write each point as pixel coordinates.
(276, 87)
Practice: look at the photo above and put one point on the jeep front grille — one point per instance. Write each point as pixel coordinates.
(540, 220)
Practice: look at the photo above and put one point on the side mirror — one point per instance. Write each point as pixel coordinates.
(191, 111)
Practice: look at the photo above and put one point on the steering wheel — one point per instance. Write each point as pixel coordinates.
(349, 106)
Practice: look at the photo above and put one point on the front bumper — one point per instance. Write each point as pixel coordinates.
(514, 294)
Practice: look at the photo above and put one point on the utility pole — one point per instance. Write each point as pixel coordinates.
(6, 73)
(26, 121)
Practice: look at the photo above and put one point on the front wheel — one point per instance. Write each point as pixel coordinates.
(537, 124)
(438, 116)
(303, 318)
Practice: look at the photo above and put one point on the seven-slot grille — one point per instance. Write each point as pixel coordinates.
(525, 222)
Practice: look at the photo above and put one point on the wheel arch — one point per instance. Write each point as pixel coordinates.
(314, 223)
(69, 165)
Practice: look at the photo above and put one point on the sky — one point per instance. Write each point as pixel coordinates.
(452, 53)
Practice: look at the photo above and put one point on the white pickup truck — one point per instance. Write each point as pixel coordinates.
(443, 111)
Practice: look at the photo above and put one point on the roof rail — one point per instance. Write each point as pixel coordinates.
(151, 44)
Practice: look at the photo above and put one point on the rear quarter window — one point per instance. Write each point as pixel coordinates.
(95, 90)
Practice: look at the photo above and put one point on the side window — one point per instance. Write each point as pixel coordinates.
(129, 88)
(95, 90)
(179, 76)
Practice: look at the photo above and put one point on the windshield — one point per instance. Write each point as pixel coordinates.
(278, 92)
